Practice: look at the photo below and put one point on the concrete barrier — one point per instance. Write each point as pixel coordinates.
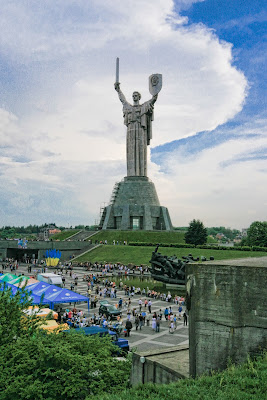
(160, 366)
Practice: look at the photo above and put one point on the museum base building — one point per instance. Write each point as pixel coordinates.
(135, 205)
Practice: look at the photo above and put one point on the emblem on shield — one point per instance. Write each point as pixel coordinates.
(155, 83)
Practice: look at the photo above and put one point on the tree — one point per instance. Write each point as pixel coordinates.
(196, 233)
(14, 324)
(63, 366)
(257, 234)
(36, 365)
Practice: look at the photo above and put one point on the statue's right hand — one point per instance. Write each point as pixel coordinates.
(117, 86)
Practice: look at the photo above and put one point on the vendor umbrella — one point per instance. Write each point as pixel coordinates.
(19, 280)
(7, 277)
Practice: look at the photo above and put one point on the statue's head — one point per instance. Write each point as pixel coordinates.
(136, 96)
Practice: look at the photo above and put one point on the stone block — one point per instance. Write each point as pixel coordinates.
(228, 312)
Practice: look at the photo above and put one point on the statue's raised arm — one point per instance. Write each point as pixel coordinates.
(120, 94)
(154, 99)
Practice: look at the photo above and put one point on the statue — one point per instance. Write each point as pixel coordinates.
(168, 269)
(138, 119)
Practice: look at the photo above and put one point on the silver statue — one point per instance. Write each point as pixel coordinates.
(138, 119)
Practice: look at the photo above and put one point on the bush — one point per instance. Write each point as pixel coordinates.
(244, 382)
(35, 365)
(177, 246)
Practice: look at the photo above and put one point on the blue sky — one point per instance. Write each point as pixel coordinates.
(62, 136)
(243, 24)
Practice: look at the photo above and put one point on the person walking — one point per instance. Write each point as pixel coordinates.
(166, 313)
(149, 304)
(185, 318)
(120, 303)
(175, 321)
(136, 321)
(171, 327)
(140, 305)
(158, 323)
(128, 327)
(180, 309)
(141, 321)
(144, 317)
(154, 322)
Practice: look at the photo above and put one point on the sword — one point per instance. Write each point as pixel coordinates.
(117, 69)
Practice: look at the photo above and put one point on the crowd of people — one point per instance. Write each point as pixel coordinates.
(144, 317)
(101, 287)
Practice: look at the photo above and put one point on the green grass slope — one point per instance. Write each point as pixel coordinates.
(141, 255)
(140, 236)
(65, 234)
(245, 382)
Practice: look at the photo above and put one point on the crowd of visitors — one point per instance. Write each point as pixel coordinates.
(100, 286)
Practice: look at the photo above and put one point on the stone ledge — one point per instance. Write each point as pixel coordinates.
(163, 351)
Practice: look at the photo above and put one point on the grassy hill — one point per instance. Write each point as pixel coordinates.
(244, 382)
(65, 234)
(142, 255)
(140, 236)
(131, 236)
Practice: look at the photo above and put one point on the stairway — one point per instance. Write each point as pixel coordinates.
(81, 235)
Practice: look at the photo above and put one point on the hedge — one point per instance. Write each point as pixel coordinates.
(203, 246)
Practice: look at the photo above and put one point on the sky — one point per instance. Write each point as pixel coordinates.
(62, 137)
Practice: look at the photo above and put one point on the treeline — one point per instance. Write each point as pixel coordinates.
(214, 230)
(27, 229)
(256, 234)
(229, 233)
(15, 231)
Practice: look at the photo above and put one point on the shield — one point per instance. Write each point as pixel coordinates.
(155, 83)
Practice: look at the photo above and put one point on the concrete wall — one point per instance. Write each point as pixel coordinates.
(228, 312)
(9, 248)
(160, 366)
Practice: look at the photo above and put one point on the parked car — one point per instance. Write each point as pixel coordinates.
(109, 310)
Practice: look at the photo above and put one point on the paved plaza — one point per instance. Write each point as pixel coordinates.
(141, 340)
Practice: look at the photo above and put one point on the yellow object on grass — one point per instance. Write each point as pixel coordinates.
(52, 326)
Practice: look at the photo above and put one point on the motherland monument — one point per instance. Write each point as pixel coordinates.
(134, 203)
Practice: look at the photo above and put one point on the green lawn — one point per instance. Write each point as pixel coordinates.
(65, 234)
(140, 236)
(142, 255)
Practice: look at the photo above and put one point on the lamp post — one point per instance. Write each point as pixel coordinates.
(143, 360)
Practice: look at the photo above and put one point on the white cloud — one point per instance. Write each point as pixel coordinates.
(66, 120)
(214, 185)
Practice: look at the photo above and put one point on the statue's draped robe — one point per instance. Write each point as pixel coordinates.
(138, 119)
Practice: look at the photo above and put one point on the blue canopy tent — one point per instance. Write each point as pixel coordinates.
(39, 287)
(32, 297)
(8, 285)
(44, 293)
(65, 296)
(46, 290)
(37, 299)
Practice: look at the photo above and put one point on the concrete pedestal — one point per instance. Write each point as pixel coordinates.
(135, 206)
